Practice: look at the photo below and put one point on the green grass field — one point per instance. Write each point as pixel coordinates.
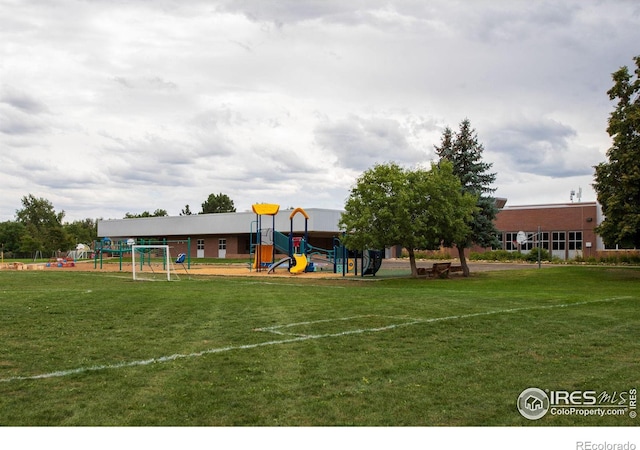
(99, 349)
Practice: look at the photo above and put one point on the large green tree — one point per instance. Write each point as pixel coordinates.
(617, 181)
(415, 209)
(43, 226)
(464, 152)
(220, 203)
(11, 234)
(82, 231)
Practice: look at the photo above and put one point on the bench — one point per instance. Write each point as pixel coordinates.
(440, 270)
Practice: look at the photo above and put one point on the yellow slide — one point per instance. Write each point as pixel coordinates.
(301, 263)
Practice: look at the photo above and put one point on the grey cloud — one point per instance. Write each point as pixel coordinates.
(288, 11)
(20, 113)
(52, 179)
(283, 162)
(542, 147)
(122, 81)
(149, 83)
(359, 143)
(514, 21)
(150, 161)
(215, 118)
(22, 101)
(209, 136)
(47, 174)
(17, 122)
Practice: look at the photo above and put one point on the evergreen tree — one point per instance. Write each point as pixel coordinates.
(464, 151)
(617, 182)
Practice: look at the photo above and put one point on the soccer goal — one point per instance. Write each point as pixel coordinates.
(152, 263)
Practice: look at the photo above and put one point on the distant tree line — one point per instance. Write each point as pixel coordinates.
(39, 228)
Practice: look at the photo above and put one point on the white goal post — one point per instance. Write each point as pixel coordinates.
(142, 251)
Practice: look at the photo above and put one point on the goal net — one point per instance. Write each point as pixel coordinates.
(152, 263)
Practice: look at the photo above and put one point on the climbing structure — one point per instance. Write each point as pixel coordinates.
(263, 248)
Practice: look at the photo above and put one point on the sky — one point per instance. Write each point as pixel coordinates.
(115, 107)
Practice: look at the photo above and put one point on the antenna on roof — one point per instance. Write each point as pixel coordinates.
(573, 194)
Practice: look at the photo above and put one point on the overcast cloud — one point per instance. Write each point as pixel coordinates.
(115, 107)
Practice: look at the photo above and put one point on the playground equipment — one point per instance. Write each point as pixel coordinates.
(301, 264)
(268, 241)
(106, 246)
(264, 249)
(120, 248)
(366, 262)
(297, 245)
(180, 260)
(80, 252)
(300, 256)
(371, 261)
(60, 262)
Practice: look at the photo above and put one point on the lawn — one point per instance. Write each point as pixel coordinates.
(81, 348)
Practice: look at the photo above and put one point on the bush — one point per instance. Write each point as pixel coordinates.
(532, 256)
(496, 255)
(618, 257)
(428, 254)
(504, 255)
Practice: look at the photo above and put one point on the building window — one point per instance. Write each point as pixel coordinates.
(543, 240)
(575, 240)
(511, 241)
(500, 238)
(200, 244)
(529, 244)
(559, 240)
(222, 244)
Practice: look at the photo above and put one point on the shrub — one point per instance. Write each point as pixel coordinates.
(428, 254)
(617, 257)
(532, 256)
(496, 255)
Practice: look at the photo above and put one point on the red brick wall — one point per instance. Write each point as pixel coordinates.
(568, 217)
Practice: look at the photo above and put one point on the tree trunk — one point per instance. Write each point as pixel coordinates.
(463, 262)
(412, 262)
